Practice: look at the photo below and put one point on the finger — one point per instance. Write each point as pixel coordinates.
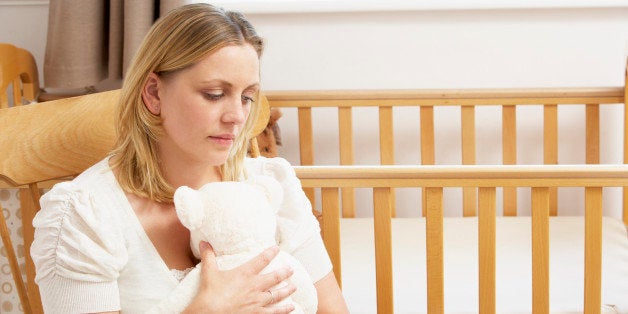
(208, 256)
(280, 294)
(274, 278)
(281, 309)
(256, 264)
(268, 298)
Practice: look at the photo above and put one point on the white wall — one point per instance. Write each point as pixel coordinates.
(449, 49)
(414, 47)
(24, 24)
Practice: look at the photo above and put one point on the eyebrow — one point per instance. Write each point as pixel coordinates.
(226, 83)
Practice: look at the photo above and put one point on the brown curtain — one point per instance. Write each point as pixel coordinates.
(94, 40)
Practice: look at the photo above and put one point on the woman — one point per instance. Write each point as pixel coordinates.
(110, 240)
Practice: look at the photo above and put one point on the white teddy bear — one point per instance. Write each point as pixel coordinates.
(239, 220)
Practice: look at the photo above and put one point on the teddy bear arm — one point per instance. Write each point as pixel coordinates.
(305, 295)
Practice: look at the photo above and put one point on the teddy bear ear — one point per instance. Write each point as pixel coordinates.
(189, 206)
(275, 114)
(270, 187)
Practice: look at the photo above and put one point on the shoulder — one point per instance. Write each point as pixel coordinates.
(98, 173)
(95, 182)
(76, 215)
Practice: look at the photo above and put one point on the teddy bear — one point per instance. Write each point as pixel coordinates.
(239, 220)
(270, 138)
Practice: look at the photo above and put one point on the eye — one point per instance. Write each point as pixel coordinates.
(214, 97)
(246, 100)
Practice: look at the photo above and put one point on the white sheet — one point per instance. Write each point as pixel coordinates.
(513, 265)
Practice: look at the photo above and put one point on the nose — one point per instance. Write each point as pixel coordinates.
(234, 112)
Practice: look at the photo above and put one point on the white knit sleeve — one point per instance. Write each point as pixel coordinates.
(299, 232)
(78, 252)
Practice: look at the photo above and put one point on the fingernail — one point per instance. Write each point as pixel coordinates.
(204, 245)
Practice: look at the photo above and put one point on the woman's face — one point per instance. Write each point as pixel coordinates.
(204, 107)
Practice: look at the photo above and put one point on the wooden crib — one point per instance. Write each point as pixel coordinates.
(353, 243)
(480, 185)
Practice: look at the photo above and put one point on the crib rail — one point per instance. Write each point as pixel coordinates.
(468, 100)
(541, 179)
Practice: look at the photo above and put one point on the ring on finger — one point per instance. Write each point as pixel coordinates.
(272, 297)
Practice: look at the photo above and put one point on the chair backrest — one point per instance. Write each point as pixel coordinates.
(17, 68)
(19, 84)
(56, 140)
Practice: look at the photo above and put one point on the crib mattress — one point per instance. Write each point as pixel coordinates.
(513, 265)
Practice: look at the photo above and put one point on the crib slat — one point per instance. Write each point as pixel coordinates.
(593, 250)
(427, 143)
(469, 194)
(383, 205)
(17, 92)
(387, 141)
(625, 198)
(468, 134)
(345, 127)
(331, 228)
(306, 142)
(593, 134)
(593, 216)
(540, 250)
(386, 137)
(306, 145)
(434, 250)
(427, 135)
(550, 148)
(625, 201)
(486, 249)
(509, 155)
(550, 134)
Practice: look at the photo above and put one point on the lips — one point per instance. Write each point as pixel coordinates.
(224, 136)
(223, 139)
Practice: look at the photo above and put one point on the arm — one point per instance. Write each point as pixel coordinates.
(207, 289)
(76, 269)
(330, 299)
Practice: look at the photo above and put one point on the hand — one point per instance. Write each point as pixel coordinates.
(242, 289)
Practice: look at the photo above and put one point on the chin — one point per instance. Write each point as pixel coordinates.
(217, 160)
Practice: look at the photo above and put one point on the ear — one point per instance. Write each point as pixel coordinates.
(189, 206)
(270, 187)
(150, 94)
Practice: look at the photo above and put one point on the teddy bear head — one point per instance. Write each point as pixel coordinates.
(234, 217)
(270, 138)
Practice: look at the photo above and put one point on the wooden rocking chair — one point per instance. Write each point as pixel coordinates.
(47, 142)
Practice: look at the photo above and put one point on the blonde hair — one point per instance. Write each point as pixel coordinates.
(176, 41)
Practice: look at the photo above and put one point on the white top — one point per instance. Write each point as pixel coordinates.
(91, 253)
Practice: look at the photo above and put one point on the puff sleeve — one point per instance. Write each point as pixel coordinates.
(78, 252)
(298, 229)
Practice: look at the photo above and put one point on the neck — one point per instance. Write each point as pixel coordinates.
(193, 176)
(192, 173)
